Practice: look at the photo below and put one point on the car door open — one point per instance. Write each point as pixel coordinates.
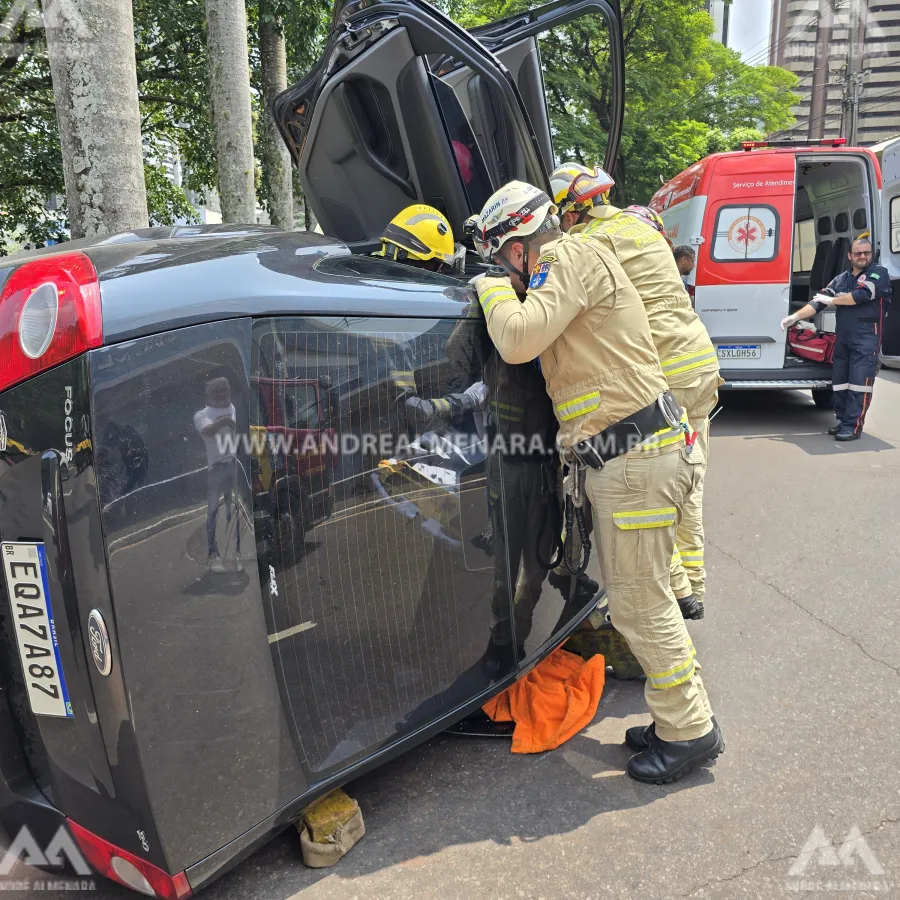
(407, 107)
(373, 130)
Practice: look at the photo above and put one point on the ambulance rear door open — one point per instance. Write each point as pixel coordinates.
(890, 248)
(743, 281)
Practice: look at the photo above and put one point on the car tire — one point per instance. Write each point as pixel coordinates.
(290, 530)
(823, 398)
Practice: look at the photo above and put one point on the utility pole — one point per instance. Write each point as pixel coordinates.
(853, 77)
(819, 91)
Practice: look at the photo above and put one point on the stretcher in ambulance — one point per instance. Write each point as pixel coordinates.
(770, 226)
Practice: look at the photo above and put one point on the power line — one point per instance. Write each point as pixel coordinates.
(890, 92)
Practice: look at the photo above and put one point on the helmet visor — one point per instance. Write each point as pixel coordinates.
(589, 186)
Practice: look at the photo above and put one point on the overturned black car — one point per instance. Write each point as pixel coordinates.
(256, 533)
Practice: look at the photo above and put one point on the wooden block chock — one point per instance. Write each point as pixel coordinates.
(329, 829)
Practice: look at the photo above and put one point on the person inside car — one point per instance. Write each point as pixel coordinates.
(421, 236)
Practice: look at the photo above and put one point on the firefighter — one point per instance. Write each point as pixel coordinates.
(421, 236)
(567, 302)
(689, 359)
(861, 297)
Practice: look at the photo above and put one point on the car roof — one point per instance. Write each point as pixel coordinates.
(156, 279)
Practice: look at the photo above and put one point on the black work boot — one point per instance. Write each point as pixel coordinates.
(666, 761)
(691, 607)
(834, 429)
(848, 436)
(638, 737)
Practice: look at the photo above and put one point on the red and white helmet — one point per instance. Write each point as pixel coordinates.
(516, 211)
(645, 214)
(576, 188)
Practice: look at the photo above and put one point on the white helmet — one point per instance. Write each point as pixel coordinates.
(514, 212)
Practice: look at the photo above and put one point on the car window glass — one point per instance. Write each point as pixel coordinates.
(745, 234)
(575, 63)
(466, 152)
(359, 266)
(895, 225)
(301, 409)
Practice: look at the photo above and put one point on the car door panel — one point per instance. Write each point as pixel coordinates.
(515, 41)
(368, 130)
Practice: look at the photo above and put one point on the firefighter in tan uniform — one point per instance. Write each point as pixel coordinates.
(689, 360)
(568, 303)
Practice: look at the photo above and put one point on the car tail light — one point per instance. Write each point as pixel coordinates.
(127, 869)
(49, 313)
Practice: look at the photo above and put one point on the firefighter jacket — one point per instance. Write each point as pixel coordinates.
(871, 289)
(586, 322)
(681, 339)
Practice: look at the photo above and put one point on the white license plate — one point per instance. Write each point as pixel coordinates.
(739, 351)
(25, 567)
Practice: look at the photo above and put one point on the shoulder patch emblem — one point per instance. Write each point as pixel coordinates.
(539, 275)
(874, 276)
(546, 258)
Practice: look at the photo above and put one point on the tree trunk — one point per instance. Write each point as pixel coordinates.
(230, 87)
(91, 50)
(276, 160)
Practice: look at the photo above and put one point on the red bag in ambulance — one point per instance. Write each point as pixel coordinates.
(811, 344)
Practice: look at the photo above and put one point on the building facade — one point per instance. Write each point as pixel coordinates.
(812, 39)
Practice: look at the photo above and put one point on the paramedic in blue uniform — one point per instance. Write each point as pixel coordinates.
(861, 297)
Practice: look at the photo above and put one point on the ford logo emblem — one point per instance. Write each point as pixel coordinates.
(98, 637)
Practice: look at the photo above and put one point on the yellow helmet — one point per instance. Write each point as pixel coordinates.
(577, 188)
(419, 232)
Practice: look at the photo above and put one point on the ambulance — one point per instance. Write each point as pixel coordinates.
(770, 225)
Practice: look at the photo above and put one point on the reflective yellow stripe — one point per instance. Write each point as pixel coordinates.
(507, 406)
(673, 677)
(679, 364)
(442, 406)
(645, 518)
(494, 295)
(404, 378)
(692, 560)
(578, 406)
(663, 438)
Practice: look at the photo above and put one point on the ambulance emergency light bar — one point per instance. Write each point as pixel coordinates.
(824, 142)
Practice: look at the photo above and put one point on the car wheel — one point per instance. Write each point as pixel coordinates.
(823, 398)
(290, 530)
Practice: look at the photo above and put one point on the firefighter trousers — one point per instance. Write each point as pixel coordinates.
(521, 540)
(637, 503)
(697, 398)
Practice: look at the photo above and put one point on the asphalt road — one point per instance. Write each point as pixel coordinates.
(801, 657)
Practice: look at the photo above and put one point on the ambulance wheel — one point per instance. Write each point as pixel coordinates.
(823, 398)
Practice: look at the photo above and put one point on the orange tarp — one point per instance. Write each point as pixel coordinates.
(553, 702)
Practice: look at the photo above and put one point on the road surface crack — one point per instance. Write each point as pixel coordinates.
(805, 609)
(770, 858)
(740, 874)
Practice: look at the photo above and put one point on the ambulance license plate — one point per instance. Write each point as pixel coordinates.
(25, 567)
(739, 351)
